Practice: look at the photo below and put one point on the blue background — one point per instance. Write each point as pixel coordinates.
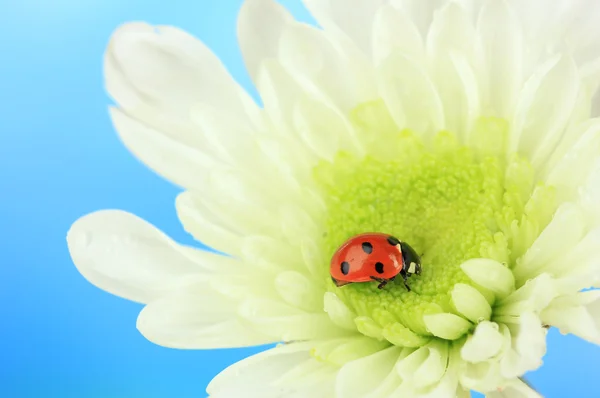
(60, 159)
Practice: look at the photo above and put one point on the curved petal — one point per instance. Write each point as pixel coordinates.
(197, 317)
(128, 257)
(393, 31)
(325, 64)
(578, 314)
(260, 26)
(283, 371)
(410, 95)
(526, 345)
(544, 108)
(485, 342)
(355, 21)
(361, 377)
(157, 73)
(206, 226)
(515, 389)
(564, 231)
(502, 53)
(287, 323)
(491, 275)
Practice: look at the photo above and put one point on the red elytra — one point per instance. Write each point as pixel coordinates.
(374, 257)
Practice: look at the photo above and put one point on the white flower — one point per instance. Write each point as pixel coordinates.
(464, 127)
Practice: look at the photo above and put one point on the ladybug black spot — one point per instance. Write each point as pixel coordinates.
(379, 268)
(367, 247)
(345, 267)
(393, 241)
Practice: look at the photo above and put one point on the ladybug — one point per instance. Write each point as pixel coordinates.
(374, 256)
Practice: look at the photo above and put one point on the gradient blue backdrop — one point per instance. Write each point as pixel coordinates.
(59, 159)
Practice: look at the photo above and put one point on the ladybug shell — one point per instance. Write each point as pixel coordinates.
(365, 256)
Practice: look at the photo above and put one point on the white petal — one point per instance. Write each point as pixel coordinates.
(469, 302)
(578, 314)
(515, 389)
(127, 256)
(205, 225)
(446, 326)
(589, 195)
(544, 108)
(563, 233)
(260, 26)
(171, 158)
(572, 161)
(322, 128)
(490, 274)
(394, 31)
(362, 376)
(485, 343)
(339, 313)
(299, 291)
(410, 95)
(157, 73)
(355, 21)
(451, 43)
(528, 345)
(578, 268)
(326, 65)
(266, 375)
(287, 323)
(197, 317)
(533, 296)
(426, 366)
(502, 52)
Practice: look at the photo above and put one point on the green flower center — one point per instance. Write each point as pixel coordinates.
(450, 202)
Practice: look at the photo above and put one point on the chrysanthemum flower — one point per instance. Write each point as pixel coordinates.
(463, 127)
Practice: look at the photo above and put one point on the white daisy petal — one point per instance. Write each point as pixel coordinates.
(571, 163)
(259, 376)
(578, 314)
(533, 296)
(563, 232)
(339, 313)
(491, 275)
(485, 343)
(589, 195)
(471, 303)
(502, 53)
(157, 73)
(206, 226)
(352, 380)
(185, 319)
(394, 31)
(260, 24)
(322, 128)
(446, 326)
(426, 366)
(128, 257)
(286, 322)
(527, 340)
(544, 108)
(327, 66)
(410, 94)
(451, 38)
(182, 164)
(578, 268)
(297, 290)
(515, 389)
(355, 21)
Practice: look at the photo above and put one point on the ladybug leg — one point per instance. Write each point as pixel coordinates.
(382, 282)
(404, 278)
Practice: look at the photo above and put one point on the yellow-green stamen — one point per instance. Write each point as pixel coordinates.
(450, 202)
